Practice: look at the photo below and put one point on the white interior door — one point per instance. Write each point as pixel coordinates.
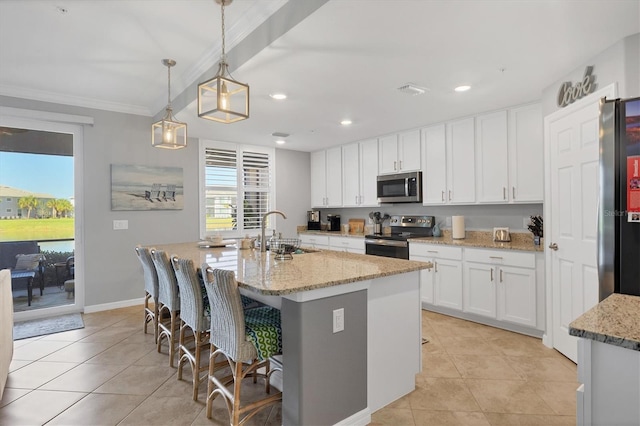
(571, 206)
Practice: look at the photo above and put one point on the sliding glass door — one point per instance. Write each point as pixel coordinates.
(41, 215)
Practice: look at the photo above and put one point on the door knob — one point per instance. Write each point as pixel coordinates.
(553, 246)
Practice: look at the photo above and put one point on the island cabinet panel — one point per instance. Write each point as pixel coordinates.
(347, 244)
(492, 158)
(315, 359)
(461, 176)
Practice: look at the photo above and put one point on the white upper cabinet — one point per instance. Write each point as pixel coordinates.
(359, 172)
(399, 153)
(434, 173)
(526, 166)
(318, 179)
(492, 158)
(326, 178)
(461, 176)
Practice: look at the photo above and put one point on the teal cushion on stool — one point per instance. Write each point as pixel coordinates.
(263, 329)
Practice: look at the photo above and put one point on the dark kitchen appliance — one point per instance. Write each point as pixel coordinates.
(400, 188)
(396, 244)
(619, 206)
(313, 220)
(333, 222)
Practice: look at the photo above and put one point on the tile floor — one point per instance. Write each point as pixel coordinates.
(110, 373)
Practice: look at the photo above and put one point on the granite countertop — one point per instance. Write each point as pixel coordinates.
(262, 273)
(483, 239)
(615, 320)
(522, 241)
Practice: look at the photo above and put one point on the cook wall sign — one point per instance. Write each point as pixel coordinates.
(569, 93)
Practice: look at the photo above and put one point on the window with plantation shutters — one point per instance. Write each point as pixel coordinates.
(237, 187)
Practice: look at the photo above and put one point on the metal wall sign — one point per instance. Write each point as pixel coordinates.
(569, 93)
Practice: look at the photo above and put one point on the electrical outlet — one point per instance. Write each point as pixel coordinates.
(338, 320)
(120, 224)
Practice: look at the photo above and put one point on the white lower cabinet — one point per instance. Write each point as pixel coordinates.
(314, 241)
(347, 244)
(500, 284)
(442, 284)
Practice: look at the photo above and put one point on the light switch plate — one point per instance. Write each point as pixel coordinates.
(120, 224)
(338, 320)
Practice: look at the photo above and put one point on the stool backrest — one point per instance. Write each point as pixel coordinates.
(191, 302)
(148, 271)
(167, 283)
(227, 316)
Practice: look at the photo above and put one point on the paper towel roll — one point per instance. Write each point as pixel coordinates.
(457, 230)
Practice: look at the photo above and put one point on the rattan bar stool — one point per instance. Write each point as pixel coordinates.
(150, 290)
(168, 302)
(193, 319)
(247, 338)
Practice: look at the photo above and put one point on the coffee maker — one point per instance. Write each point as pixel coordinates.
(333, 222)
(313, 220)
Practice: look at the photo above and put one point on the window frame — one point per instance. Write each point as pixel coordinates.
(205, 144)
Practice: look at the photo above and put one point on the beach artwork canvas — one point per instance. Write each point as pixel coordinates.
(136, 187)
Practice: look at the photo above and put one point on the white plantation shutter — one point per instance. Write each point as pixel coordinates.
(238, 187)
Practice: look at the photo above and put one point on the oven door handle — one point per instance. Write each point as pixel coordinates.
(381, 242)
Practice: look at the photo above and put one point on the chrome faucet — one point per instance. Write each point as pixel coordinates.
(263, 243)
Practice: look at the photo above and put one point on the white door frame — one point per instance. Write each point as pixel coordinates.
(611, 92)
(70, 124)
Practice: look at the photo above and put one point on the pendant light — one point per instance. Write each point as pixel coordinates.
(169, 133)
(222, 98)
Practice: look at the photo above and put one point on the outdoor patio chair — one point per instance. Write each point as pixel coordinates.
(170, 193)
(154, 194)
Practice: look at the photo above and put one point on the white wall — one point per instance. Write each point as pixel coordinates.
(619, 64)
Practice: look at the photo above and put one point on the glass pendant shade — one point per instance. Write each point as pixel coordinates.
(223, 99)
(169, 133)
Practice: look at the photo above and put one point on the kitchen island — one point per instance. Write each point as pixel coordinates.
(609, 362)
(333, 376)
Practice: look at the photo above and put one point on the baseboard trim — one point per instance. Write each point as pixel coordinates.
(361, 418)
(113, 305)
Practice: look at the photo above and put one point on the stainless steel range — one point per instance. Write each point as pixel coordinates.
(396, 244)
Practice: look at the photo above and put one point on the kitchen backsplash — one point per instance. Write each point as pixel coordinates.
(477, 217)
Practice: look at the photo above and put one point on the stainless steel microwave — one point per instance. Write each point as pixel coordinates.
(400, 188)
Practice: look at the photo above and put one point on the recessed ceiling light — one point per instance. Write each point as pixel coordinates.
(281, 142)
(462, 88)
(346, 122)
(278, 96)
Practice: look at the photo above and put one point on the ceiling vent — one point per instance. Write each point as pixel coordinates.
(412, 89)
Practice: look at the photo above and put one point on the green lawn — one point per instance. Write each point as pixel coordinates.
(36, 229)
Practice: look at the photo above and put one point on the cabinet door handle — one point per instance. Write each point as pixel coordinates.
(513, 192)
(449, 195)
(500, 275)
(435, 265)
(432, 251)
(356, 199)
(495, 257)
(394, 165)
(400, 167)
(491, 274)
(504, 193)
(443, 196)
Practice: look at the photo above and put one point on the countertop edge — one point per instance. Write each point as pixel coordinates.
(613, 321)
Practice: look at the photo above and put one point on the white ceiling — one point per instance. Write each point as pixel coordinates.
(344, 60)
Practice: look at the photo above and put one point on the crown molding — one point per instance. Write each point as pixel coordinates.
(57, 98)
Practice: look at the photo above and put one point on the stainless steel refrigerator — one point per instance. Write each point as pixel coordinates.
(619, 202)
